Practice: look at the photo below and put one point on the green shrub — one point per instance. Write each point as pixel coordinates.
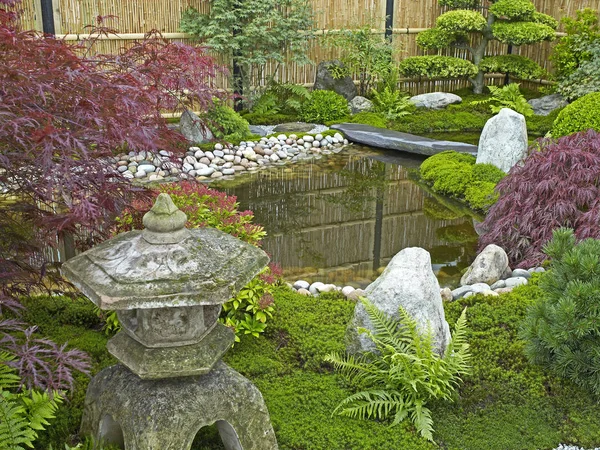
(368, 118)
(431, 164)
(563, 328)
(513, 9)
(580, 115)
(324, 106)
(462, 20)
(437, 67)
(520, 33)
(518, 66)
(452, 179)
(481, 195)
(281, 98)
(545, 19)
(586, 78)
(488, 173)
(225, 123)
(406, 373)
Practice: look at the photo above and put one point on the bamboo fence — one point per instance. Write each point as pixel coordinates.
(136, 17)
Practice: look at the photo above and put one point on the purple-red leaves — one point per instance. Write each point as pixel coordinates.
(558, 186)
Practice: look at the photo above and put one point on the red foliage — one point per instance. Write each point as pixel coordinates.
(63, 114)
(558, 186)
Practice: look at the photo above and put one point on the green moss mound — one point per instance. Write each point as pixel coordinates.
(580, 115)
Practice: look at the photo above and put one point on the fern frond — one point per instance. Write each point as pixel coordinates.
(386, 329)
(355, 368)
(40, 407)
(15, 432)
(8, 375)
(421, 418)
(375, 404)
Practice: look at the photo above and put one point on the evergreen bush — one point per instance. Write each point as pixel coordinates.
(581, 115)
(562, 328)
(225, 123)
(324, 106)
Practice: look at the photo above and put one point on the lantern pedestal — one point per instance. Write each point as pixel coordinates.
(166, 414)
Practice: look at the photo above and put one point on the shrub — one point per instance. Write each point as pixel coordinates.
(430, 166)
(487, 173)
(520, 33)
(585, 78)
(556, 186)
(513, 9)
(281, 98)
(562, 328)
(406, 373)
(481, 195)
(225, 123)
(324, 106)
(580, 115)
(517, 65)
(437, 67)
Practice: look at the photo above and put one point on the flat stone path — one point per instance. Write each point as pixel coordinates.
(395, 140)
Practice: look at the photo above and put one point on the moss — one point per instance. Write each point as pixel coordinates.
(430, 121)
(541, 125)
(269, 119)
(488, 173)
(481, 195)
(366, 118)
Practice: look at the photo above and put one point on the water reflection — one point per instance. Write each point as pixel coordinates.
(342, 218)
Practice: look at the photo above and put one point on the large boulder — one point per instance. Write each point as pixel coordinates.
(407, 281)
(503, 141)
(193, 128)
(545, 105)
(489, 266)
(435, 100)
(325, 81)
(293, 127)
(360, 104)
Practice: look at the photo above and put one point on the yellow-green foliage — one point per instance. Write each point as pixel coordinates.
(580, 115)
(456, 174)
(513, 9)
(437, 67)
(520, 33)
(324, 106)
(461, 21)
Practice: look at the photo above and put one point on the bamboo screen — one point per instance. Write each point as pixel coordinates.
(410, 16)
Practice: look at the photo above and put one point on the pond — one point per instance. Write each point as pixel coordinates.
(342, 218)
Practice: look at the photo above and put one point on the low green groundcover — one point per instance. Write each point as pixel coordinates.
(505, 404)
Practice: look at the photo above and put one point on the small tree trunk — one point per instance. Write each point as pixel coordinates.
(479, 52)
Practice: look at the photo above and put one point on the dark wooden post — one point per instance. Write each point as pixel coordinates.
(47, 17)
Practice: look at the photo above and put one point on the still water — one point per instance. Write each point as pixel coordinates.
(340, 219)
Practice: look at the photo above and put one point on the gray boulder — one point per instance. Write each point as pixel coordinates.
(324, 81)
(293, 127)
(360, 104)
(193, 129)
(545, 105)
(435, 100)
(488, 267)
(503, 141)
(407, 281)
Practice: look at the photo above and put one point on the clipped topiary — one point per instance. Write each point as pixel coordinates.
(559, 185)
(324, 106)
(481, 195)
(488, 173)
(580, 115)
(562, 329)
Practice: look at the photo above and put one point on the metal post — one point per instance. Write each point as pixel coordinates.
(389, 18)
(47, 17)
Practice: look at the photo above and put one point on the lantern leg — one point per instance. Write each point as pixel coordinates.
(166, 414)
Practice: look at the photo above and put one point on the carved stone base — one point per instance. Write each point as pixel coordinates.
(136, 414)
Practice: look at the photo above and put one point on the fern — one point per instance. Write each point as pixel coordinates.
(391, 103)
(508, 96)
(285, 98)
(404, 374)
(24, 413)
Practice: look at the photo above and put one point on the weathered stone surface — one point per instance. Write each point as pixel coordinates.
(192, 128)
(435, 100)
(128, 272)
(488, 267)
(503, 141)
(294, 127)
(177, 361)
(395, 140)
(257, 129)
(324, 81)
(360, 104)
(446, 294)
(545, 105)
(516, 281)
(407, 281)
(139, 414)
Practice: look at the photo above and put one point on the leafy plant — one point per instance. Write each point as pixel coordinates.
(508, 96)
(255, 34)
(281, 98)
(405, 374)
(24, 413)
(562, 328)
(517, 65)
(513, 22)
(324, 106)
(393, 104)
(581, 115)
(572, 50)
(363, 53)
(225, 123)
(556, 186)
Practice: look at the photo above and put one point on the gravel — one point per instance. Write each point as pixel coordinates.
(268, 129)
(572, 447)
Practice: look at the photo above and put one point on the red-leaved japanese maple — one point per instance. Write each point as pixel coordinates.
(63, 113)
(557, 186)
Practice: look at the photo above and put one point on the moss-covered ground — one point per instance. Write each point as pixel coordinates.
(504, 404)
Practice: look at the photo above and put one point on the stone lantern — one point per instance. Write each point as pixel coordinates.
(167, 284)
